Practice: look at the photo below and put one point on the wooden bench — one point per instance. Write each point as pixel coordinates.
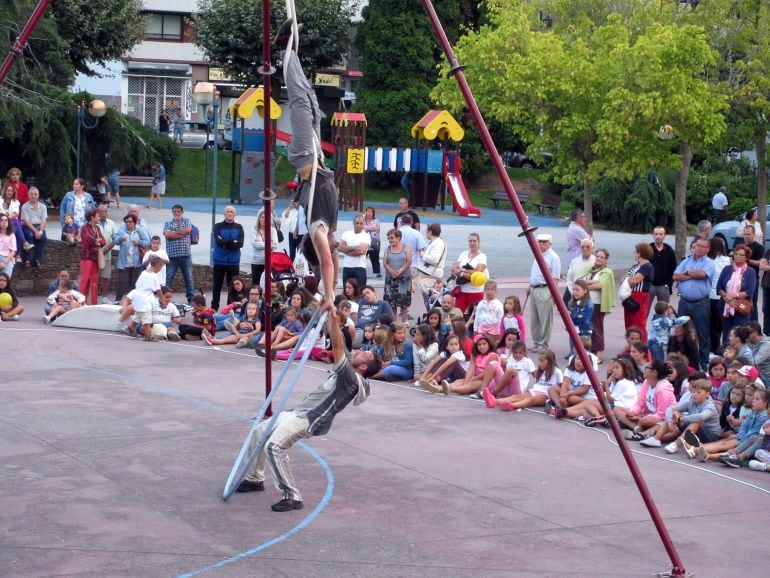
(135, 181)
(549, 203)
(503, 196)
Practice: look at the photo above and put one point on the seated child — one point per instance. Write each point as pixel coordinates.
(440, 329)
(397, 356)
(695, 418)
(241, 331)
(505, 346)
(450, 365)
(655, 396)
(518, 369)
(619, 391)
(62, 300)
(203, 320)
(290, 326)
(367, 342)
(730, 415)
(484, 370)
(574, 389)
(545, 376)
(165, 313)
(747, 433)
(11, 308)
(424, 349)
(70, 232)
(761, 450)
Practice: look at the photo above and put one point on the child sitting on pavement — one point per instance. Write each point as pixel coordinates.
(450, 365)
(545, 376)
(165, 313)
(203, 319)
(574, 389)
(141, 298)
(241, 331)
(63, 299)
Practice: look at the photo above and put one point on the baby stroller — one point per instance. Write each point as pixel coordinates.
(282, 271)
(433, 303)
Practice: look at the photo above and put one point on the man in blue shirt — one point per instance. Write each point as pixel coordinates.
(228, 240)
(694, 276)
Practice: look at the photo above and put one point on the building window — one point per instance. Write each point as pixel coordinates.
(164, 26)
(147, 96)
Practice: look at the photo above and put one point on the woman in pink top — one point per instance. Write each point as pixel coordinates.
(655, 396)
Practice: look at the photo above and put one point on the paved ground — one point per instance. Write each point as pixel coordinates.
(114, 452)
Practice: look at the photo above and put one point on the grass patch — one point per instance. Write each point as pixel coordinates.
(188, 174)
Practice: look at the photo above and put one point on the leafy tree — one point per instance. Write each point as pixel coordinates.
(36, 112)
(399, 57)
(596, 93)
(230, 34)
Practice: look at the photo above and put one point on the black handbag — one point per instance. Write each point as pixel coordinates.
(630, 304)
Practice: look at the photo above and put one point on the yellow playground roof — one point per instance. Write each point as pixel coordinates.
(254, 97)
(438, 124)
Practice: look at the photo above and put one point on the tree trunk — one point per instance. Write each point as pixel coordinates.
(588, 207)
(680, 200)
(759, 148)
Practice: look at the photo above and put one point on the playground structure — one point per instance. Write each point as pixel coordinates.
(432, 172)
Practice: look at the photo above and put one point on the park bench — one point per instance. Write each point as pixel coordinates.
(503, 196)
(135, 181)
(549, 203)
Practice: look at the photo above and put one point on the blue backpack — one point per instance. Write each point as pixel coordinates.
(195, 235)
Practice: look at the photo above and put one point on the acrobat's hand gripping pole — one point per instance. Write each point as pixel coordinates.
(527, 231)
(250, 452)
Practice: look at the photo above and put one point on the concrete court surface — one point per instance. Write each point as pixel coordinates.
(114, 453)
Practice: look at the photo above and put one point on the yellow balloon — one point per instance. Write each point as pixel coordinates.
(5, 300)
(478, 279)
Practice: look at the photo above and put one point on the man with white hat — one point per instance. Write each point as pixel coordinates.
(541, 322)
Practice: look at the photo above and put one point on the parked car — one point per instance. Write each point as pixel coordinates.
(196, 137)
(727, 230)
(521, 160)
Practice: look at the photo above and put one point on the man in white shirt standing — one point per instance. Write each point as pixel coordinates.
(542, 301)
(719, 204)
(353, 245)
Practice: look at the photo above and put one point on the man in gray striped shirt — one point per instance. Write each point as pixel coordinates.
(312, 417)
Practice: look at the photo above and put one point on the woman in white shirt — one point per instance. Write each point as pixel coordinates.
(468, 263)
(258, 247)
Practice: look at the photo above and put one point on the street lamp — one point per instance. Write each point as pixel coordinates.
(97, 109)
(205, 94)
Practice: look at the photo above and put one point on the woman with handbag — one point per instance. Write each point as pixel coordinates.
(372, 226)
(736, 285)
(467, 294)
(639, 279)
(431, 267)
(601, 285)
(91, 243)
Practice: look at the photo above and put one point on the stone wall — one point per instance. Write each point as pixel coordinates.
(59, 255)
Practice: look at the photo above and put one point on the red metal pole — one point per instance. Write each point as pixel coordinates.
(21, 42)
(527, 232)
(267, 195)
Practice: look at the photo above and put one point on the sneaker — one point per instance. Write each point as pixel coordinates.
(429, 386)
(232, 318)
(671, 448)
(489, 399)
(692, 452)
(287, 505)
(632, 436)
(702, 454)
(131, 332)
(27, 246)
(507, 406)
(627, 434)
(260, 350)
(757, 466)
(14, 318)
(476, 395)
(230, 326)
(445, 387)
(249, 486)
(47, 320)
(243, 342)
(638, 429)
(548, 406)
(206, 336)
(651, 442)
(730, 460)
(173, 336)
(690, 437)
(594, 421)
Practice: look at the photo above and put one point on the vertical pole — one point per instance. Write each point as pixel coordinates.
(527, 231)
(77, 155)
(214, 174)
(267, 195)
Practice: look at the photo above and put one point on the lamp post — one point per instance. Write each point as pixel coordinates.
(96, 109)
(205, 94)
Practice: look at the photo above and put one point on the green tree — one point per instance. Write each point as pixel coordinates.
(595, 94)
(230, 34)
(399, 58)
(37, 114)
